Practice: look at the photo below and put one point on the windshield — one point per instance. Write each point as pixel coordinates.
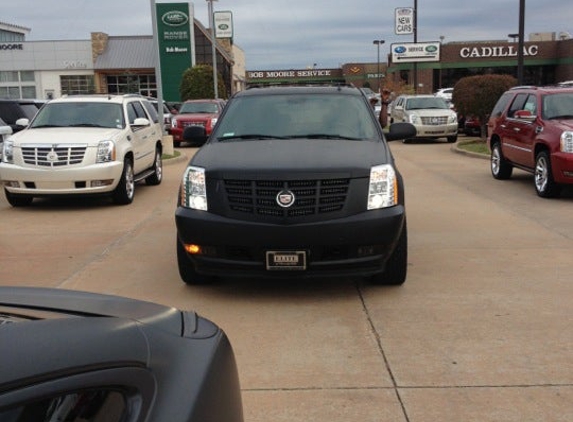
(288, 116)
(558, 106)
(426, 102)
(80, 114)
(199, 107)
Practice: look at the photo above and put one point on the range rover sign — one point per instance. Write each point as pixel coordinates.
(174, 18)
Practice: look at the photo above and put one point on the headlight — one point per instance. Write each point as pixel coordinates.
(453, 118)
(193, 192)
(174, 122)
(105, 152)
(567, 142)
(414, 119)
(383, 188)
(8, 152)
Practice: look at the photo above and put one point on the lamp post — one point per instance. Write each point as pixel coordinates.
(213, 47)
(378, 43)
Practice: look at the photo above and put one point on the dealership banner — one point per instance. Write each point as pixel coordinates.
(174, 23)
(416, 52)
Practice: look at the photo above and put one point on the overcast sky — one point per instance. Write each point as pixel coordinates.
(297, 34)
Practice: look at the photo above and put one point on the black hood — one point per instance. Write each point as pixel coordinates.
(319, 156)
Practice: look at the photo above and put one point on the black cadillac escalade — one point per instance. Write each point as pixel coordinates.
(294, 182)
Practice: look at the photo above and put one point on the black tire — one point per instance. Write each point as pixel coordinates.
(397, 265)
(545, 186)
(18, 200)
(452, 139)
(501, 169)
(187, 270)
(125, 190)
(157, 175)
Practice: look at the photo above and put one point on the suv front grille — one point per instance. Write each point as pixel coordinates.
(434, 120)
(49, 155)
(311, 197)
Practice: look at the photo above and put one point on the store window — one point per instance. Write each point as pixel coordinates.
(132, 84)
(16, 85)
(77, 84)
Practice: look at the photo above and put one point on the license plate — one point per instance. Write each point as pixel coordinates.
(286, 260)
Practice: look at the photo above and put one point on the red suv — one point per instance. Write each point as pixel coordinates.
(531, 128)
(202, 113)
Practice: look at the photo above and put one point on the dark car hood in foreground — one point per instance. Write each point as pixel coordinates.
(353, 158)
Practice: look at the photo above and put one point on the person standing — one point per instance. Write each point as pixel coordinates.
(384, 102)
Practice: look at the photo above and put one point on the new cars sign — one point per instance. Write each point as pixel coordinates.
(404, 20)
(416, 52)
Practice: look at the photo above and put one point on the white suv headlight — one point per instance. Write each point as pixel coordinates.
(567, 142)
(383, 188)
(105, 152)
(194, 189)
(8, 151)
(453, 118)
(415, 119)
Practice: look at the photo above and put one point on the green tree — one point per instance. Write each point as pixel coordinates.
(477, 95)
(197, 83)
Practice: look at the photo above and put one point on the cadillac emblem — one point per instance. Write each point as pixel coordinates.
(285, 198)
(52, 156)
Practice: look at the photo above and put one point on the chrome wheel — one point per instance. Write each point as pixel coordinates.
(541, 174)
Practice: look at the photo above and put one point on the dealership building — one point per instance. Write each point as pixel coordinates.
(101, 64)
(547, 59)
(112, 64)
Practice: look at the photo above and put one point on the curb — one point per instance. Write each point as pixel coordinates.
(455, 148)
(175, 160)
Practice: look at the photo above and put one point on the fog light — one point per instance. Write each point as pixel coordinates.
(193, 249)
(100, 183)
(12, 183)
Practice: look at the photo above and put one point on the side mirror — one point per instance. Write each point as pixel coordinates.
(400, 130)
(524, 115)
(23, 122)
(140, 121)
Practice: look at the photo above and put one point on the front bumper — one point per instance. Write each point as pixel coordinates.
(437, 131)
(562, 167)
(355, 245)
(65, 181)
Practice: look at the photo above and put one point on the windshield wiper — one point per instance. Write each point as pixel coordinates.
(86, 125)
(42, 126)
(249, 136)
(326, 136)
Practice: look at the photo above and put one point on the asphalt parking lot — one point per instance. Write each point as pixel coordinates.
(481, 330)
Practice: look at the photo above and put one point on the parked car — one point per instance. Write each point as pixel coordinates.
(13, 110)
(294, 182)
(445, 93)
(84, 145)
(5, 131)
(76, 356)
(472, 126)
(202, 113)
(431, 115)
(531, 128)
(168, 113)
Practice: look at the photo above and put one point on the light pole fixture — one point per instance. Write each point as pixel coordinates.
(213, 47)
(378, 43)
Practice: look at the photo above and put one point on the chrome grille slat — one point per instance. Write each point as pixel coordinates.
(312, 197)
(53, 155)
(434, 120)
